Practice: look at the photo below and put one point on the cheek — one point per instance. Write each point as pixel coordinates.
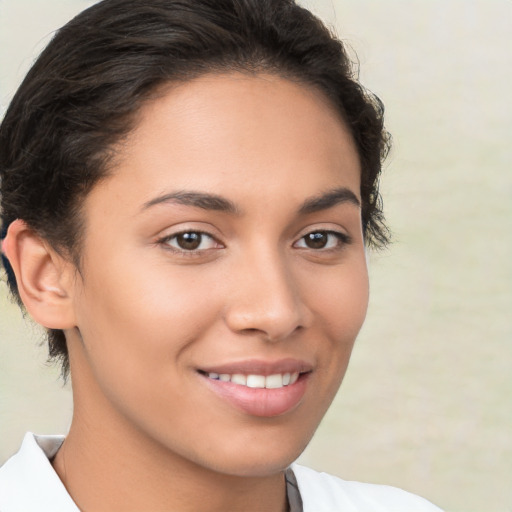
(340, 299)
(339, 303)
(139, 334)
(136, 322)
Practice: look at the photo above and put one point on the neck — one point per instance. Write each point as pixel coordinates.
(102, 479)
(107, 464)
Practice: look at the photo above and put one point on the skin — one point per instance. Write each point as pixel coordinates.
(143, 315)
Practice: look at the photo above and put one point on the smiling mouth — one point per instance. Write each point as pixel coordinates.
(258, 394)
(258, 387)
(275, 381)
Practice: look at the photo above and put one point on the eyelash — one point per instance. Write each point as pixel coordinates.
(342, 240)
(193, 252)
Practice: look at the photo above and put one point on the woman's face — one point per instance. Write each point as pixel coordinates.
(224, 252)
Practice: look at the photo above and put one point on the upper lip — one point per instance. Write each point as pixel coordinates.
(260, 367)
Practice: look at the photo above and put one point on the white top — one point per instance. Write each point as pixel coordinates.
(28, 483)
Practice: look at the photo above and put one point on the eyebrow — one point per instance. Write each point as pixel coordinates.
(215, 202)
(196, 199)
(328, 200)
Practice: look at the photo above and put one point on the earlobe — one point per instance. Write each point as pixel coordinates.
(44, 278)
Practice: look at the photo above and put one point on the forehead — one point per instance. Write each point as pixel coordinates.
(236, 134)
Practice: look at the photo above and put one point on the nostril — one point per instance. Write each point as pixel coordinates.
(252, 330)
(271, 334)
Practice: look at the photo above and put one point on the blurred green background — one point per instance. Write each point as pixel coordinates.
(426, 404)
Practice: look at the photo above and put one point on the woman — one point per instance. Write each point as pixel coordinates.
(188, 189)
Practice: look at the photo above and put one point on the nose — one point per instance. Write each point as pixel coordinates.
(265, 299)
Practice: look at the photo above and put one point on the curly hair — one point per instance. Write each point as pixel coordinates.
(82, 95)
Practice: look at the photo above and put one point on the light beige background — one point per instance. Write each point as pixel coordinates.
(426, 404)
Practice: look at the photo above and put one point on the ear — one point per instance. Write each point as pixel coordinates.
(45, 279)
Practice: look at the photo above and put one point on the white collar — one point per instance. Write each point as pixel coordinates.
(28, 481)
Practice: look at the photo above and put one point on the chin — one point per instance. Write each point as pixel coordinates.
(253, 467)
(259, 459)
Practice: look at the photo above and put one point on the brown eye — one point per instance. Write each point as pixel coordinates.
(190, 241)
(316, 240)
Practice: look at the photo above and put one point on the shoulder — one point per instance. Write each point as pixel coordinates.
(321, 492)
(28, 481)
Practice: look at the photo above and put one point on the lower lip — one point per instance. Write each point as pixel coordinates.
(260, 402)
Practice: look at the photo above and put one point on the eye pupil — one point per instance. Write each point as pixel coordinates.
(189, 241)
(316, 240)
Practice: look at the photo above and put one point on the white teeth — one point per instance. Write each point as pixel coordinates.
(274, 381)
(255, 381)
(238, 378)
